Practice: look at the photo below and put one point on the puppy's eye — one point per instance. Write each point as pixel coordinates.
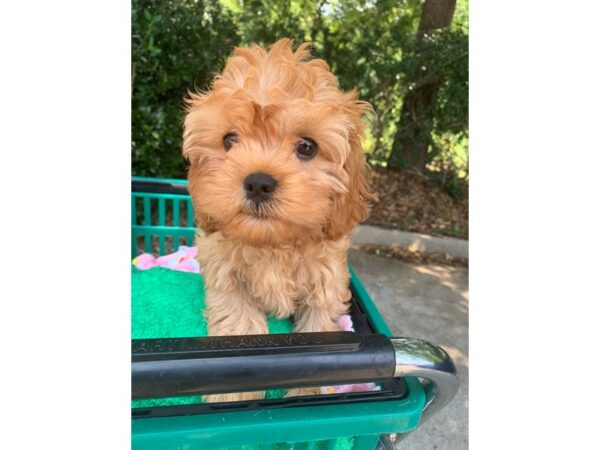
(306, 148)
(229, 139)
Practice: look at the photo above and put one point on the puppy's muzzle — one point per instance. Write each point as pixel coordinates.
(259, 187)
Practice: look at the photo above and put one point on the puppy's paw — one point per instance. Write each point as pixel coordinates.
(296, 392)
(234, 397)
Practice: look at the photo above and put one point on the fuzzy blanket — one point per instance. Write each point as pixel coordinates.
(168, 304)
(168, 297)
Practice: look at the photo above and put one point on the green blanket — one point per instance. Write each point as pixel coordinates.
(167, 304)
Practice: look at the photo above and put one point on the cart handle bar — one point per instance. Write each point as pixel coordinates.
(218, 364)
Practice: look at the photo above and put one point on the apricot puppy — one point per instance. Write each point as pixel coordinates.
(277, 178)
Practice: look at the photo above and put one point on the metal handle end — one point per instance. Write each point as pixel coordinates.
(418, 358)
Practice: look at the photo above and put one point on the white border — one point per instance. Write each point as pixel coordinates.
(65, 146)
(534, 215)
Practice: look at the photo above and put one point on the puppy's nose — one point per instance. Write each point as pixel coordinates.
(259, 186)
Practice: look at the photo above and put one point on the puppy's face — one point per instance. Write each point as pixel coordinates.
(275, 150)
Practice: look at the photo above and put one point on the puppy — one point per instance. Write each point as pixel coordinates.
(278, 181)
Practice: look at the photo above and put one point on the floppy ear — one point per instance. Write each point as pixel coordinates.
(192, 151)
(193, 105)
(202, 220)
(353, 206)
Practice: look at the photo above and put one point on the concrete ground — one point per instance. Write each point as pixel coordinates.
(426, 302)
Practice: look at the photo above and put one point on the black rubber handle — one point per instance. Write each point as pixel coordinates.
(210, 365)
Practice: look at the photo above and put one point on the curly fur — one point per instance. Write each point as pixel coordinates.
(288, 258)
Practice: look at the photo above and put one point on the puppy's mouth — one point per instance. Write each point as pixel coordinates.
(261, 211)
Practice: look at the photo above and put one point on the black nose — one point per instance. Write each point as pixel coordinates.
(259, 186)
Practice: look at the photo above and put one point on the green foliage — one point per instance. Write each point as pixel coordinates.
(177, 45)
(443, 58)
(449, 163)
(369, 44)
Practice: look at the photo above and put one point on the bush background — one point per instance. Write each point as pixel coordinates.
(377, 46)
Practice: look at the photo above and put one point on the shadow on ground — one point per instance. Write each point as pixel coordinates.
(427, 302)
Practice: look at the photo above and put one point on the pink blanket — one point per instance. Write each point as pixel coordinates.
(184, 259)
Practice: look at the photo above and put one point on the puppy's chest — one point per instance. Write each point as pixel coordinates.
(277, 281)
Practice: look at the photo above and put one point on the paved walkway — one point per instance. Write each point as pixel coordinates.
(427, 302)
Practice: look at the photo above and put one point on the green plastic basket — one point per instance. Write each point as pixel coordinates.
(161, 222)
(160, 219)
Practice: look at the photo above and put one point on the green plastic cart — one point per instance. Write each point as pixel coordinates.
(416, 378)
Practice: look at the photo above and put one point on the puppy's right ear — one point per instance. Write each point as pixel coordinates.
(192, 151)
(202, 220)
(194, 103)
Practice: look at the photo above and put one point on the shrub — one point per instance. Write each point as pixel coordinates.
(176, 46)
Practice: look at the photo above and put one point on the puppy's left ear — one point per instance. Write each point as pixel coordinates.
(353, 206)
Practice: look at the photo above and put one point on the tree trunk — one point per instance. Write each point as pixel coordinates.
(413, 131)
